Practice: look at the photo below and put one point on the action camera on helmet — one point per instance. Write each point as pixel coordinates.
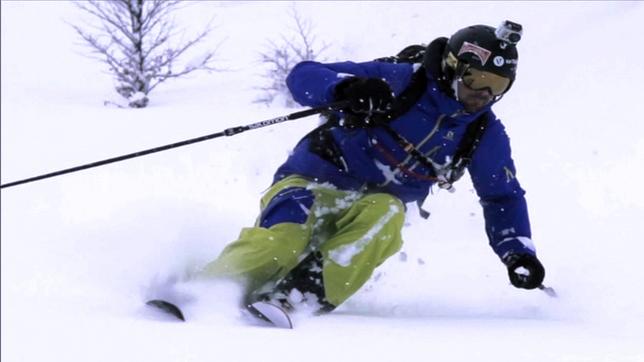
(509, 32)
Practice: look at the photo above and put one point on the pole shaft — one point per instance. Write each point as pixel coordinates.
(228, 132)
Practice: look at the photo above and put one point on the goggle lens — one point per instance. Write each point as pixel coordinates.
(479, 79)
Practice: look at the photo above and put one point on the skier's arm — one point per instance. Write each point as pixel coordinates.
(313, 84)
(504, 206)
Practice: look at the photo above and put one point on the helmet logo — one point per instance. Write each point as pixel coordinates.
(498, 61)
(482, 53)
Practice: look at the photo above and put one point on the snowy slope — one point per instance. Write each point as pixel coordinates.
(80, 252)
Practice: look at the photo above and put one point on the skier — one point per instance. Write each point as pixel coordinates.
(336, 207)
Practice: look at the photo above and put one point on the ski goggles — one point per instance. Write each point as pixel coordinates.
(480, 79)
(477, 79)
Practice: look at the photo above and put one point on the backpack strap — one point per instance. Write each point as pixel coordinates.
(429, 57)
(321, 141)
(406, 99)
(411, 54)
(469, 143)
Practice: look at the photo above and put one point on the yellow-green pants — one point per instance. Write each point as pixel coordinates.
(355, 233)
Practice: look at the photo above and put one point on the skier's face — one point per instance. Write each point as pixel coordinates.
(473, 100)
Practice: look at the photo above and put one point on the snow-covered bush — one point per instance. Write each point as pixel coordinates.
(281, 56)
(140, 43)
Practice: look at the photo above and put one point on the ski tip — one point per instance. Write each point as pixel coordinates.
(167, 307)
(271, 313)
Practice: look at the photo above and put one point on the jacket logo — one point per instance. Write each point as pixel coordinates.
(482, 53)
(449, 136)
(509, 175)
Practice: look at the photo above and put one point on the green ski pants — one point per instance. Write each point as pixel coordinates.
(355, 233)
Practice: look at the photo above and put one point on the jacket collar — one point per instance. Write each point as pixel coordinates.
(449, 106)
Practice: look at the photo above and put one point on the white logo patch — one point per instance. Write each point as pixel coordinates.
(482, 53)
(498, 61)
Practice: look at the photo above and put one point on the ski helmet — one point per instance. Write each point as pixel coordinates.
(483, 56)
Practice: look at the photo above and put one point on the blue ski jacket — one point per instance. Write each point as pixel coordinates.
(372, 160)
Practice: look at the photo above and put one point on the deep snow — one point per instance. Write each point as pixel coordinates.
(80, 252)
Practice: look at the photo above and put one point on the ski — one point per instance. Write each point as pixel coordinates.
(271, 313)
(274, 315)
(166, 307)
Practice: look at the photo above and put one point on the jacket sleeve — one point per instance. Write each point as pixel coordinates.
(312, 83)
(504, 206)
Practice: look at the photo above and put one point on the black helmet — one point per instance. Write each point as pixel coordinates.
(484, 48)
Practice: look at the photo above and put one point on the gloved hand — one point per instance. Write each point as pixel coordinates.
(366, 96)
(525, 270)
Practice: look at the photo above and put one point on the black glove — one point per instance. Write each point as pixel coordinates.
(525, 270)
(366, 96)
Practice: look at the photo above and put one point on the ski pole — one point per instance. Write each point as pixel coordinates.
(227, 132)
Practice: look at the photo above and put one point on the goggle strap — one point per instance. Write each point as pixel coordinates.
(460, 70)
(454, 86)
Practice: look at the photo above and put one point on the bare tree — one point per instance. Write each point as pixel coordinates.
(281, 57)
(135, 39)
